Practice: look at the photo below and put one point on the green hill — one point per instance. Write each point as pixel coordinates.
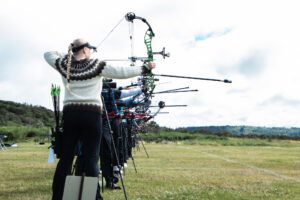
(17, 114)
(246, 130)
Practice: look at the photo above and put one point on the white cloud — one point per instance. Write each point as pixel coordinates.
(260, 53)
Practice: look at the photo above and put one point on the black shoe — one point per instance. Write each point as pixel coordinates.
(112, 186)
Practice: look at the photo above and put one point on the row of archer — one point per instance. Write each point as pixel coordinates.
(126, 113)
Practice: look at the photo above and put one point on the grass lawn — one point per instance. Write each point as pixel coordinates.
(174, 171)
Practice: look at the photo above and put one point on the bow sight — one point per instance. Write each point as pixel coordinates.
(163, 53)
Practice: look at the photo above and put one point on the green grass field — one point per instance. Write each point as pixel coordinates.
(204, 170)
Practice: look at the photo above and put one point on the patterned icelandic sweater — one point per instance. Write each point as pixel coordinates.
(86, 80)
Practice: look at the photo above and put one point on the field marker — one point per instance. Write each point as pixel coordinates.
(247, 165)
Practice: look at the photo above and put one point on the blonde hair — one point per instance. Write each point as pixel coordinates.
(69, 66)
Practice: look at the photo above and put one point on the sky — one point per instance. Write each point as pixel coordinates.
(254, 43)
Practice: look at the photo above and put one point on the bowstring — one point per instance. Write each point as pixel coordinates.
(111, 31)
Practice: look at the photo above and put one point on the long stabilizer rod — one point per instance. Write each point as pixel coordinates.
(184, 88)
(197, 78)
(175, 91)
(171, 106)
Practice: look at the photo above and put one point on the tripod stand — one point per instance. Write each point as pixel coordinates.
(114, 146)
(2, 145)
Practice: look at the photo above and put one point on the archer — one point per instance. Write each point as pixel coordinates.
(82, 106)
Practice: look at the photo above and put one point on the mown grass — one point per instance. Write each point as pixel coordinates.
(173, 171)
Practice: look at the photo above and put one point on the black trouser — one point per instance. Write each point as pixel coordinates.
(78, 125)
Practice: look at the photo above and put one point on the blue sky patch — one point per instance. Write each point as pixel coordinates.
(205, 36)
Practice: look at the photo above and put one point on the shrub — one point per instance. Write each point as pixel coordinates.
(19, 133)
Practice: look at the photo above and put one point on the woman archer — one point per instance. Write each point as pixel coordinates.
(82, 107)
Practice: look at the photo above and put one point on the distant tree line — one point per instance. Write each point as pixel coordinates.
(231, 131)
(17, 114)
(244, 130)
(19, 121)
(227, 133)
(20, 133)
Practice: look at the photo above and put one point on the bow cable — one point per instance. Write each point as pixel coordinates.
(131, 38)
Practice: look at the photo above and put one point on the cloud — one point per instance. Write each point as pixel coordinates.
(238, 91)
(252, 65)
(213, 39)
(280, 100)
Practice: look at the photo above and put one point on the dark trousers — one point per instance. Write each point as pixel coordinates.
(85, 126)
